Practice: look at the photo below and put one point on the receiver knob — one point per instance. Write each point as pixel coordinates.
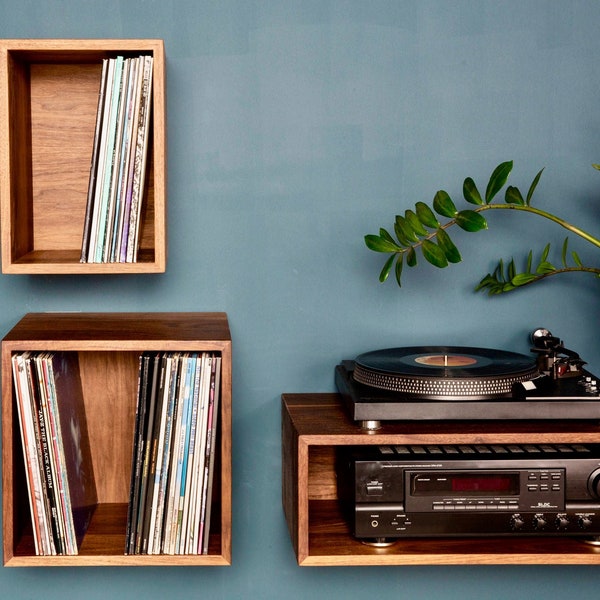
(516, 522)
(594, 484)
(584, 522)
(539, 522)
(562, 522)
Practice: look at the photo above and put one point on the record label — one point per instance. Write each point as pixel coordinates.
(446, 360)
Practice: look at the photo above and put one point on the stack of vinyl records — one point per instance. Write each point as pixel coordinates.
(174, 453)
(119, 157)
(56, 450)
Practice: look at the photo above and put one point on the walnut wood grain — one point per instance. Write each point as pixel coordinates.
(48, 101)
(314, 425)
(108, 346)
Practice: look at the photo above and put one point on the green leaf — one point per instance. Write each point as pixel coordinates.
(544, 268)
(532, 187)
(404, 241)
(564, 251)
(545, 253)
(529, 261)
(497, 180)
(406, 229)
(470, 220)
(415, 223)
(491, 283)
(499, 271)
(384, 235)
(434, 254)
(471, 193)
(443, 205)
(411, 257)
(596, 166)
(576, 258)
(523, 279)
(387, 267)
(487, 281)
(426, 215)
(379, 244)
(446, 244)
(513, 196)
(512, 270)
(398, 269)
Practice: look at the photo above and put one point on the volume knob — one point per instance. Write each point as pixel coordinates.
(594, 484)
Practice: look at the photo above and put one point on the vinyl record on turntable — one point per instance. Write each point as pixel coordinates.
(444, 372)
(435, 383)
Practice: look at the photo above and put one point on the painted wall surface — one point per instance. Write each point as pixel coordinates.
(294, 129)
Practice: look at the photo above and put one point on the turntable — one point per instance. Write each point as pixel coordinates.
(463, 383)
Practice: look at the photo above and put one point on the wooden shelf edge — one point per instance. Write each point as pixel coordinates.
(66, 262)
(81, 44)
(81, 269)
(119, 561)
(451, 559)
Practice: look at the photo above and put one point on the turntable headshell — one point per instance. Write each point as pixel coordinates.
(554, 359)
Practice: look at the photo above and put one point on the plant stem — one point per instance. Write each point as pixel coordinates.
(542, 213)
(563, 270)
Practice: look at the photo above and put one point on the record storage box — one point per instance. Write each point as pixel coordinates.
(48, 103)
(108, 347)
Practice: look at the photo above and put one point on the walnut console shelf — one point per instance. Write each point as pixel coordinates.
(48, 103)
(314, 425)
(108, 347)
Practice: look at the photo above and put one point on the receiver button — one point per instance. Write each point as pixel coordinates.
(374, 489)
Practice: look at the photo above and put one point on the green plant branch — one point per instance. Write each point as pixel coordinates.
(498, 282)
(421, 229)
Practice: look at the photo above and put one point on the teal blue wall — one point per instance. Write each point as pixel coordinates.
(294, 128)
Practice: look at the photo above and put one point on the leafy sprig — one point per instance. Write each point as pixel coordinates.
(420, 229)
(507, 278)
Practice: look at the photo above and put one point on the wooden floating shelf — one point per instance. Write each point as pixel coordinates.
(48, 102)
(108, 347)
(315, 425)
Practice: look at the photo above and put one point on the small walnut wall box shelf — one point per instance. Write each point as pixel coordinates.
(49, 98)
(314, 426)
(108, 347)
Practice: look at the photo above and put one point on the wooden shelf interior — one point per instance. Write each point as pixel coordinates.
(315, 426)
(109, 380)
(49, 97)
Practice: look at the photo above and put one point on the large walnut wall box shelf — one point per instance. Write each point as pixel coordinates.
(82, 156)
(317, 430)
(116, 440)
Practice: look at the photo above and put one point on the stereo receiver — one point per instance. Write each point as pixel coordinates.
(392, 492)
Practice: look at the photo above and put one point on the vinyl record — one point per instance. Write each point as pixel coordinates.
(444, 372)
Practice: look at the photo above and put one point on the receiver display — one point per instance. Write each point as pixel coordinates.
(468, 483)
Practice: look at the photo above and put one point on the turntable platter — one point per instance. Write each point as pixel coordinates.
(444, 372)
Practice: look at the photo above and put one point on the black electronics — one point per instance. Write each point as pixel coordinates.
(453, 382)
(394, 492)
